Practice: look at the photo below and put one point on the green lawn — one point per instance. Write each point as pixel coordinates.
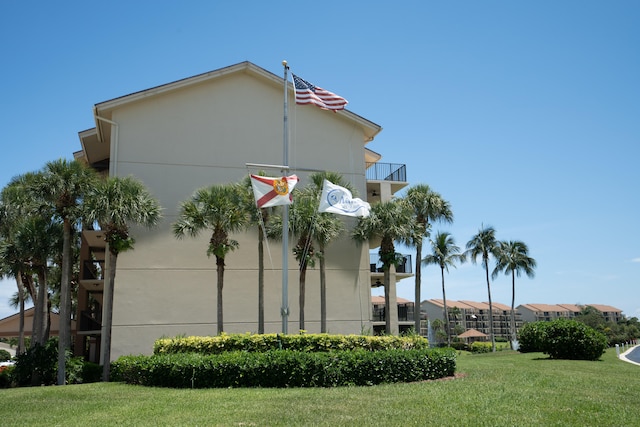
(501, 389)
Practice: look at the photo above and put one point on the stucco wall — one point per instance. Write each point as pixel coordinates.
(205, 134)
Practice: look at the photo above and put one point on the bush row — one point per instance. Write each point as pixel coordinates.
(39, 366)
(302, 342)
(284, 368)
(563, 339)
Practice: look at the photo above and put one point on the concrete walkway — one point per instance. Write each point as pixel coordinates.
(11, 350)
(626, 356)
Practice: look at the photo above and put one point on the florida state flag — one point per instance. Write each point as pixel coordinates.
(273, 191)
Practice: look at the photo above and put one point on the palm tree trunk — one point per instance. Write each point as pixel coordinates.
(493, 340)
(323, 293)
(40, 315)
(513, 302)
(446, 312)
(302, 284)
(260, 280)
(387, 305)
(220, 269)
(64, 328)
(416, 310)
(107, 317)
(20, 348)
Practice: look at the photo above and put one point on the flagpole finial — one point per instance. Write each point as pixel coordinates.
(284, 63)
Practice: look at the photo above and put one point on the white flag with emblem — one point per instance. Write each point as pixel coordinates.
(338, 200)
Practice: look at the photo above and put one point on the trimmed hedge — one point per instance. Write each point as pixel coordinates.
(284, 368)
(302, 342)
(480, 347)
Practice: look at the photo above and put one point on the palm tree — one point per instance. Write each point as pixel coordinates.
(39, 238)
(33, 238)
(513, 257)
(219, 209)
(455, 313)
(327, 228)
(427, 205)
(11, 265)
(302, 216)
(445, 254)
(483, 245)
(257, 217)
(63, 184)
(114, 204)
(390, 221)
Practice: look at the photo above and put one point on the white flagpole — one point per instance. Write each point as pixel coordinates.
(284, 309)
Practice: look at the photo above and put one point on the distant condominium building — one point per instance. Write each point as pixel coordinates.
(466, 315)
(548, 312)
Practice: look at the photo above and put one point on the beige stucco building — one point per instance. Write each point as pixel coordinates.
(200, 131)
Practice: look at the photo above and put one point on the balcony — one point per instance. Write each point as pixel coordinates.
(375, 266)
(405, 313)
(386, 172)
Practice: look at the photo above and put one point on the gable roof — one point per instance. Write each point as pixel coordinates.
(102, 111)
(10, 325)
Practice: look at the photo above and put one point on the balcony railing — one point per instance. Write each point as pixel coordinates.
(405, 313)
(386, 172)
(93, 270)
(404, 267)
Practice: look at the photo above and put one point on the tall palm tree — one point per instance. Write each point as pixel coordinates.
(257, 217)
(427, 205)
(63, 184)
(218, 209)
(115, 203)
(40, 238)
(445, 254)
(302, 217)
(390, 221)
(327, 228)
(513, 257)
(11, 265)
(483, 245)
(34, 237)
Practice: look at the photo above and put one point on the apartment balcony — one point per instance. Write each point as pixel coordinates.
(403, 270)
(406, 315)
(386, 172)
(384, 180)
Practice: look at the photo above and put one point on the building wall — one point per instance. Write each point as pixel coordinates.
(205, 134)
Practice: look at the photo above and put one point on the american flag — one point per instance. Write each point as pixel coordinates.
(306, 93)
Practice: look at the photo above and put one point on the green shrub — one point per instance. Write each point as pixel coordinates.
(460, 346)
(39, 366)
(563, 339)
(6, 376)
(4, 355)
(569, 339)
(299, 342)
(532, 337)
(480, 347)
(284, 368)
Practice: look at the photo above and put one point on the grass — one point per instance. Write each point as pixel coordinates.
(500, 389)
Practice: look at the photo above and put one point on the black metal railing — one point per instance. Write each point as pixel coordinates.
(386, 172)
(88, 322)
(375, 266)
(93, 270)
(405, 313)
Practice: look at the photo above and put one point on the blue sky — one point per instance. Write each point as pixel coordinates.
(524, 115)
